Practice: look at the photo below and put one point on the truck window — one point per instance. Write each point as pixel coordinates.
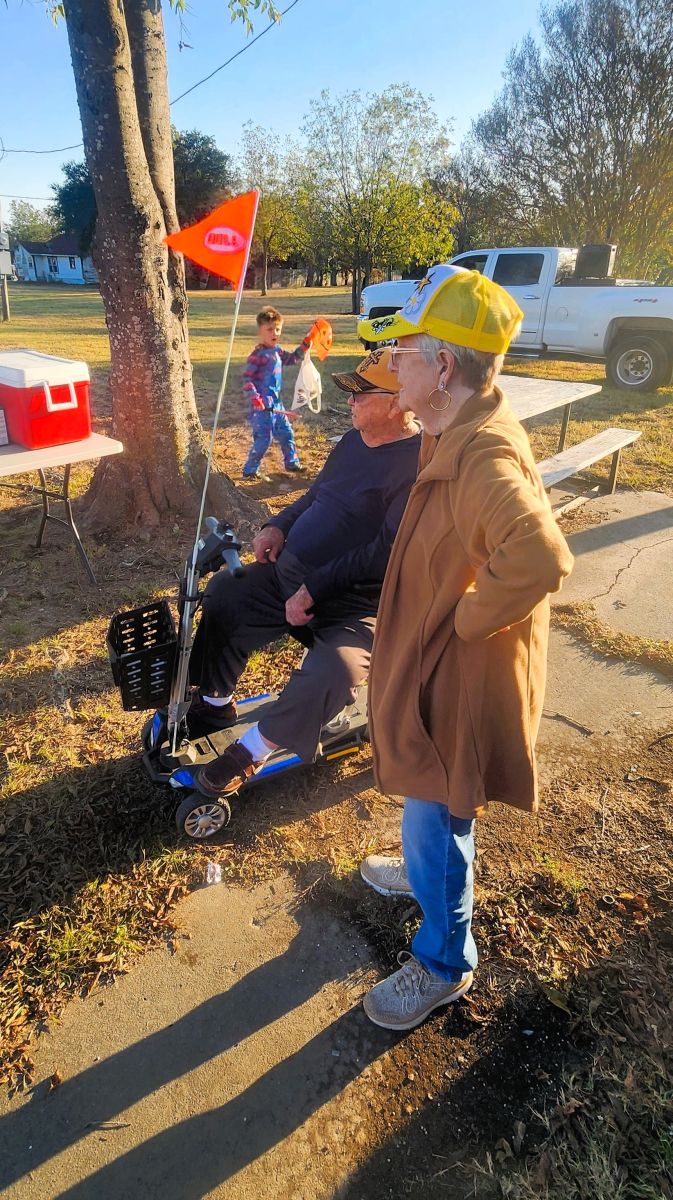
(565, 266)
(472, 262)
(518, 270)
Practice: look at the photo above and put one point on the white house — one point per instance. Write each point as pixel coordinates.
(57, 261)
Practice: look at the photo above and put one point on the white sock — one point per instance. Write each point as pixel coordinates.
(217, 701)
(256, 745)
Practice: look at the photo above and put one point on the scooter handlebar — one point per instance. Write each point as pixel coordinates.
(218, 547)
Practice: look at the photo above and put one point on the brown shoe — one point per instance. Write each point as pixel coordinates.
(226, 774)
(204, 718)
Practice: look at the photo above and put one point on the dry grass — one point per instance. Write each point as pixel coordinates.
(610, 1135)
(582, 620)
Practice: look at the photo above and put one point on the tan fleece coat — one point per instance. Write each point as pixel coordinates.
(458, 672)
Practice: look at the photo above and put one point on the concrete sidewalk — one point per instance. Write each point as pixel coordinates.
(624, 563)
(243, 1066)
(209, 1072)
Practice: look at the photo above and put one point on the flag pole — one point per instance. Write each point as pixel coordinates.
(178, 707)
(225, 374)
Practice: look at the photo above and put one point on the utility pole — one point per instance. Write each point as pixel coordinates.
(5, 270)
(4, 299)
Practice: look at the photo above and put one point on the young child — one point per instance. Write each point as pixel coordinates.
(262, 382)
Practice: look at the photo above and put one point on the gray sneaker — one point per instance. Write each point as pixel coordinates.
(386, 875)
(408, 996)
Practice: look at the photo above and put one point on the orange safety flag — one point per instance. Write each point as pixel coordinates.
(221, 241)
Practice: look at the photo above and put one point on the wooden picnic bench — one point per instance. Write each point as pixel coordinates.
(563, 467)
(529, 398)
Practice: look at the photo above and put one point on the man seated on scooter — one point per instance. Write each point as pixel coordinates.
(318, 574)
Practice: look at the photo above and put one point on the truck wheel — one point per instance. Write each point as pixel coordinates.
(638, 364)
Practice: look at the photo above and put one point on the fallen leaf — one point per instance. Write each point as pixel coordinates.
(475, 1016)
(567, 1110)
(519, 1131)
(55, 1081)
(557, 998)
(537, 922)
(543, 1167)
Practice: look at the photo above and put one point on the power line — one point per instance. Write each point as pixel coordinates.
(247, 46)
(61, 149)
(58, 150)
(13, 196)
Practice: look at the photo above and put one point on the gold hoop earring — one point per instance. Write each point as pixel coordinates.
(440, 407)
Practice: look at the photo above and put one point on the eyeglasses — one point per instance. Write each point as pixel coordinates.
(360, 397)
(395, 350)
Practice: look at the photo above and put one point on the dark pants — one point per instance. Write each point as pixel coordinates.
(246, 613)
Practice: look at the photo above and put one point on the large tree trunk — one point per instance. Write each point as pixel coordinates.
(118, 56)
(265, 274)
(355, 286)
(145, 25)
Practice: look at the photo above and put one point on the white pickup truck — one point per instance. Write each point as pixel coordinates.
(627, 323)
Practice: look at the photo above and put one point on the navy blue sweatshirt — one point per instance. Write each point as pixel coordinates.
(342, 529)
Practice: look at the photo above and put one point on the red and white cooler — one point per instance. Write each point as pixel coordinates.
(44, 399)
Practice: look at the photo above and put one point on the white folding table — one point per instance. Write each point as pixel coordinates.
(16, 460)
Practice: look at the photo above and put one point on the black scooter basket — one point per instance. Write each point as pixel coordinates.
(141, 644)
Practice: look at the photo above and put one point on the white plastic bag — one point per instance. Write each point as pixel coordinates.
(308, 388)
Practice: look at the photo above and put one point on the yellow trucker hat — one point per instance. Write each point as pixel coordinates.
(455, 305)
(373, 374)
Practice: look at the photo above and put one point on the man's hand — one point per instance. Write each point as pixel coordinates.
(296, 606)
(268, 543)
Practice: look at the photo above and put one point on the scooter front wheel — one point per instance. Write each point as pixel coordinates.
(200, 818)
(154, 732)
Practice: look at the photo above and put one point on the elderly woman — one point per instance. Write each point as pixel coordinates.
(458, 672)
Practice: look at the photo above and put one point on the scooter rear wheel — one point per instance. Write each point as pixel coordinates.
(199, 818)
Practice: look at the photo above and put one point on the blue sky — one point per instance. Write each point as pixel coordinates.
(450, 49)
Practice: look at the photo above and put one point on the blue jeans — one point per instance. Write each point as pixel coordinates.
(438, 852)
(265, 427)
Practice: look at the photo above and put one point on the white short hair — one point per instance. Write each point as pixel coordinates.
(478, 368)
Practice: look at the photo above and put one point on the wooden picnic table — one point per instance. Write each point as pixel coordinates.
(529, 397)
(535, 397)
(16, 460)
